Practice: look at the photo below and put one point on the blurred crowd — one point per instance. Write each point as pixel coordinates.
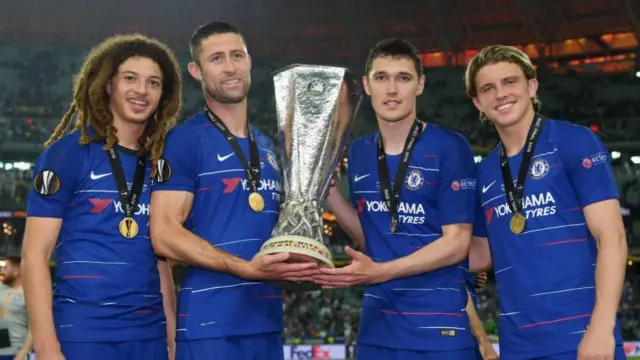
(36, 91)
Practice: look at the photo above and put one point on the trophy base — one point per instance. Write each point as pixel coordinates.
(300, 249)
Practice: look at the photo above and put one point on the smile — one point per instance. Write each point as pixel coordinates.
(505, 106)
(231, 82)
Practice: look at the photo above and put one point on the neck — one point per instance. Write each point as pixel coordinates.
(514, 137)
(129, 133)
(234, 116)
(395, 134)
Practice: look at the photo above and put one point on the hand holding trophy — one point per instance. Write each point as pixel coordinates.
(316, 107)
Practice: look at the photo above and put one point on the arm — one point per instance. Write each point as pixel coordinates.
(605, 224)
(486, 348)
(451, 248)
(589, 170)
(26, 347)
(168, 302)
(479, 255)
(346, 215)
(169, 210)
(39, 239)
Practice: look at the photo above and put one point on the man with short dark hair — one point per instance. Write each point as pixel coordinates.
(412, 205)
(221, 174)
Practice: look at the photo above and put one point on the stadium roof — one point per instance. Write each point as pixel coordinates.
(323, 29)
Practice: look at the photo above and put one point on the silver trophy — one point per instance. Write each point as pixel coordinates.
(316, 106)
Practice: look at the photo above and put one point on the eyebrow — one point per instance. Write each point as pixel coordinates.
(382, 72)
(135, 73)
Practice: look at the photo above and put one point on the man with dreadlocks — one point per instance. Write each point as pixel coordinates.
(89, 208)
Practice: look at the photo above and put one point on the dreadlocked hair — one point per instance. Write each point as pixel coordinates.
(90, 104)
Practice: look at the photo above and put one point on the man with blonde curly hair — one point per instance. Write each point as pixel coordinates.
(111, 298)
(551, 213)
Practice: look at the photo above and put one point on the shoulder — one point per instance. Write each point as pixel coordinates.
(189, 129)
(363, 141)
(67, 146)
(488, 161)
(560, 130)
(263, 140)
(446, 138)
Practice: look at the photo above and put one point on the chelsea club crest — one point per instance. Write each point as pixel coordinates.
(414, 180)
(539, 168)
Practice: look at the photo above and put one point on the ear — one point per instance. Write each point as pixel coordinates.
(194, 71)
(421, 85)
(365, 84)
(477, 104)
(108, 88)
(533, 87)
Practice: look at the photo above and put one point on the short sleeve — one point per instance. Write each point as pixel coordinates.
(457, 192)
(588, 166)
(55, 179)
(178, 168)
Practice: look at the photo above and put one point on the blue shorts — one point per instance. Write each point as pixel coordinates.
(250, 347)
(573, 355)
(154, 349)
(369, 352)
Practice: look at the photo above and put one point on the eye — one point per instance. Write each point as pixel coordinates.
(129, 78)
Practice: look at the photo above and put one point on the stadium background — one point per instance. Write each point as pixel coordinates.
(586, 53)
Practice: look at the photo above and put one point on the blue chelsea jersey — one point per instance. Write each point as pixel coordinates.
(106, 287)
(423, 312)
(545, 275)
(199, 160)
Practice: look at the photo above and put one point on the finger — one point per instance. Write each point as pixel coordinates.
(346, 270)
(306, 273)
(334, 278)
(356, 255)
(274, 258)
(282, 268)
(336, 286)
(297, 279)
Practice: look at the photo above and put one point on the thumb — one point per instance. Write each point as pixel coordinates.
(355, 255)
(275, 258)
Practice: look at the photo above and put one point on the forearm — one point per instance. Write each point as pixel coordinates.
(28, 344)
(168, 301)
(38, 296)
(610, 273)
(346, 215)
(447, 250)
(177, 243)
(474, 321)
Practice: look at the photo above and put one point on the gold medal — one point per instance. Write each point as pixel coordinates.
(256, 202)
(517, 223)
(128, 228)
(394, 225)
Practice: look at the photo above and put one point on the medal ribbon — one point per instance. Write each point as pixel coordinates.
(128, 199)
(515, 195)
(391, 195)
(251, 169)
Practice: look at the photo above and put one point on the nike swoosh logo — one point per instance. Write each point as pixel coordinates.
(358, 178)
(223, 158)
(100, 176)
(486, 188)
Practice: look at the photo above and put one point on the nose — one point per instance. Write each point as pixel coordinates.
(141, 87)
(501, 91)
(229, 66)
(392, 87)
